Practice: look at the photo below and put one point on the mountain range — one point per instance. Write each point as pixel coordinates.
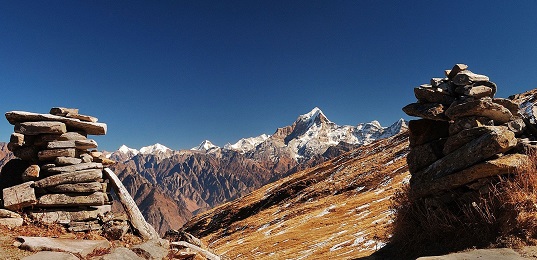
(172, 186)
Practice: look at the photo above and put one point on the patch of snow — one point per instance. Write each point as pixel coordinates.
(126, 150)
(326, 211)
(339, 246)
(247, 144)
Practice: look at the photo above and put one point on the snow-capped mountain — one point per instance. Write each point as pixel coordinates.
(128, 151)
(155, 149)
(310, 135)
(246, 144)
(205, 146)
(313, 133)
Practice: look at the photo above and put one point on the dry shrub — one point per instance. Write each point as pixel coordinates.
(502, 215)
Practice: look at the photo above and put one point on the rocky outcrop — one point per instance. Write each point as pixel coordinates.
(473, 136)
(58, 176)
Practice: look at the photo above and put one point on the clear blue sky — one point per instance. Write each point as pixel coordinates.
(179, 72)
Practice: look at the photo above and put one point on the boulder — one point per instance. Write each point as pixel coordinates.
(88, 127)
(456, 69)
(498, 140)
(481, 107)
(512, 106)
(31, 173)
(62, 161)
(86, 158)
(468, 122)
(475, 91)
(424, 130)
(4, 213)
(120, 253)
(19, 196)
(152, 249)
(17, 139)
(503, 165)
(517, 126)
(72, 136)
(433, 111)
(50, 155)
(424, 155)
(70, 177)
(433, 95)
(71, 200)
(40, 127)
(85, 144)
(75, 246)
(467, 77)
(455, 142)
(62, 111)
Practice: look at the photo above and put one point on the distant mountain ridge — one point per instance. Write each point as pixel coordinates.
(207, 175)
(312, 133)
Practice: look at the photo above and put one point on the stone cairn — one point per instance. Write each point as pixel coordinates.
(58, 175)
(465, 138)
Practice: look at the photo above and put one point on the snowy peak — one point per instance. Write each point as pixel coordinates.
(204, 146)
(155, 149)
(247, 144)
(128, 151)
(315, 116)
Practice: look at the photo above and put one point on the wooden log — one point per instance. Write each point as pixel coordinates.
(204, 252)
(133, 212)
(89, 127)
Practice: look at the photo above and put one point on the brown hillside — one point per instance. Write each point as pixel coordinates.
(339, 209)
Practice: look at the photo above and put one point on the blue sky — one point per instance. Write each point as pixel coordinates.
(179, 72)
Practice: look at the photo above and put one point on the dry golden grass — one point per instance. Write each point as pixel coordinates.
(337, 210)
(505, 216)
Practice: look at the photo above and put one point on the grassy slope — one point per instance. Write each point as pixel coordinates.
(340, 209)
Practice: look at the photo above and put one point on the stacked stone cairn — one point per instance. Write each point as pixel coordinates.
(58, 175)
(466, 137)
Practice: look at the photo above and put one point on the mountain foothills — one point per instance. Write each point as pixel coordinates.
(172, 186)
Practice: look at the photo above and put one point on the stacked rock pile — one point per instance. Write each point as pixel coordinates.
(465, 138)
(58, 176)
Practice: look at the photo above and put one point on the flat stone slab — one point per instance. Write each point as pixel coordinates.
(71, 136)
(85, 144)
(153, 249)
(433, 95)
(77, 187)
(121, 253)
(480, 254)
(4, 213)
(61, 144)
(40, 127)
(481, 107)
(89, 127)
(19, 196)
(76, 167)
(67, 161)
(497, 140)
(90, 175)
(50, 155)
(433, 111)
(63, 216)
(59, 200)
(75, 246)
(503, 165)
(48, 255)
(11, 222)
(467, 77)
